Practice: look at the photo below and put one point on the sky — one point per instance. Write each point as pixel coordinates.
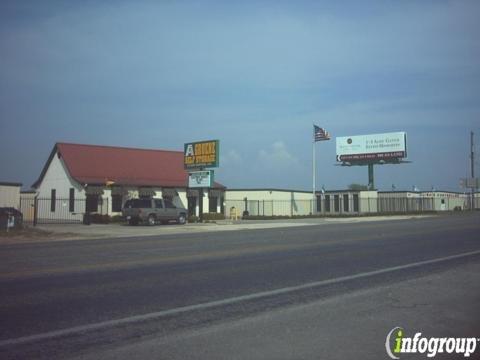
(254, 74)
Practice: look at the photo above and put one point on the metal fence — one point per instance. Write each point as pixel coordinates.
(60, 211)
(342, 204)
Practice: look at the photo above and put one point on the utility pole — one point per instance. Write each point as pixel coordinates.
(472, 168)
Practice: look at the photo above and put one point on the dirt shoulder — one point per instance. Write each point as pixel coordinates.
(32, 234)
(57, 232)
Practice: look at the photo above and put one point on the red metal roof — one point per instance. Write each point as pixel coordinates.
(95, 164)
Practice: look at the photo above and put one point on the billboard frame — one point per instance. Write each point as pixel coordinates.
(365, 157)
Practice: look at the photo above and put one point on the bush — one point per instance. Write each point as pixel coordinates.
(193, 219)
(261, 217)
(99, 219)
(213, 216)
(117, 219)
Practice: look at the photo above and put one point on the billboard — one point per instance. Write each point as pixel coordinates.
(201, 154)
(373, 147)
(200, 179)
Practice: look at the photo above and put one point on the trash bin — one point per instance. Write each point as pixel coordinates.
(3, 220)
(10, 218)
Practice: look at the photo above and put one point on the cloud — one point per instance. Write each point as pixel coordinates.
(277, 156)
(231, 158)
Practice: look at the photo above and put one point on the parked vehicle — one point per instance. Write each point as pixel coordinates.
(153, 211)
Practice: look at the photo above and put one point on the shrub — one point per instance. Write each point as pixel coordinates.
(213, 216)
(193, 219)
(99, 219)
(117, 219)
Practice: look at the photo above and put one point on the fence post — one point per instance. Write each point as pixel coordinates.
(35, 211)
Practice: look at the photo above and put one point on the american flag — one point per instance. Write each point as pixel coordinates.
(319, 134)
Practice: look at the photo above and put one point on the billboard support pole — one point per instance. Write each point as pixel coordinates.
(472, 168)
(371, 183)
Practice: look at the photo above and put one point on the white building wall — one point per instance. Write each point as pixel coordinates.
(56, 177)
(270, 202)
(368, 201)
(10, 196)
(181, 199)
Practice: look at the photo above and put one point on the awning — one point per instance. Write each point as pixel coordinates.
(169, 192)
(146, 192)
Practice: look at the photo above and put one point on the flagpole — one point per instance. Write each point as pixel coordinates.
(313, 165)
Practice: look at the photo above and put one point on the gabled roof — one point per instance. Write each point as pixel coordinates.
(95, 164)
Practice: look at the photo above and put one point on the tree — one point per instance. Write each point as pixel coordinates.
(357, 187)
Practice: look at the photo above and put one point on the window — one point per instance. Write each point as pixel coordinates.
(158, 204)
(345, 203)
(71, 200)
(327, 203)
(116, 203)
(319, 203)
(212, 204)
(53, 200)
(138, 203)
(169, 204)
(336, 203)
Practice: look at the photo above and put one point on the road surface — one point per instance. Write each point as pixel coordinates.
(170, 296)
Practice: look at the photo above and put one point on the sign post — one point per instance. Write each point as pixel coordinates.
(197, 157)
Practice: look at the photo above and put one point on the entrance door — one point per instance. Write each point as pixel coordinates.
(91, 203)
(443, 206)
(192, 205)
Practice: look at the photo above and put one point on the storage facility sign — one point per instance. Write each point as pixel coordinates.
(361, 148)
(202, 154)
(200, 179)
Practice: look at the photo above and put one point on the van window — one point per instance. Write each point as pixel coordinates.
(138, 203)
(169, 204)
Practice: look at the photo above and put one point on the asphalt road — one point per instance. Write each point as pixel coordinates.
(68, 298)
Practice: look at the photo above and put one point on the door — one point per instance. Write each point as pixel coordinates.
(159, 209)
(91, 203)
(443, 206)
(192, 206)
(170, 209)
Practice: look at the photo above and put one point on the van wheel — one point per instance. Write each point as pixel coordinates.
(151, 220)
(182, 219)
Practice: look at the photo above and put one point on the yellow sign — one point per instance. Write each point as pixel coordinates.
(201, 154)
